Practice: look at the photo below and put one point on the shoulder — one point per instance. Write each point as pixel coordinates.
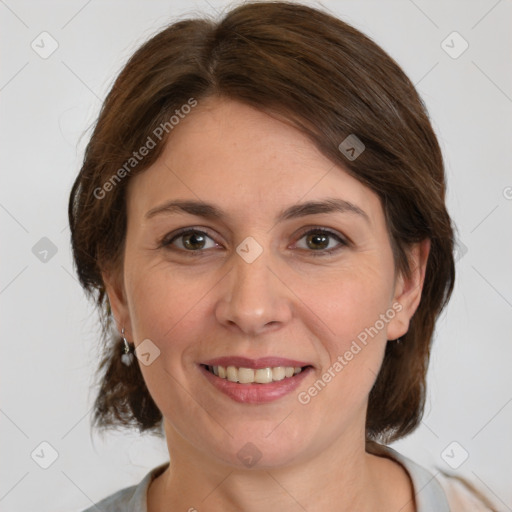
(120, 501)
(129, 499)
(463, 495)
(437, 490)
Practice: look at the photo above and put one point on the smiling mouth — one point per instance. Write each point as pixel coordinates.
(243, 375)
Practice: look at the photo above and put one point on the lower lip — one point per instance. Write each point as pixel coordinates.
(256, 393)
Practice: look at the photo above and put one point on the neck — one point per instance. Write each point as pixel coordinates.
(342, 478)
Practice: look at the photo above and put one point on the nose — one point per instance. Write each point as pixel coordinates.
(254, 298)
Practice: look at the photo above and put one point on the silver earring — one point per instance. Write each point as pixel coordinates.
(127, 357)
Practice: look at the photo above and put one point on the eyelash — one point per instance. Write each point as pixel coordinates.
(169, 239)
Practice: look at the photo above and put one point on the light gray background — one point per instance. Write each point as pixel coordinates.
(49, 331)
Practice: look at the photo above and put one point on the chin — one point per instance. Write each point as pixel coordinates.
(258, 452)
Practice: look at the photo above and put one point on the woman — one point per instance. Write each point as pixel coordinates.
(261, 216)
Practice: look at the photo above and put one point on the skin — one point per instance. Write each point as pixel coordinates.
(288, 303)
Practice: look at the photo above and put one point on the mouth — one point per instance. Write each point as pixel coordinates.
(244, 375)
(253, 382)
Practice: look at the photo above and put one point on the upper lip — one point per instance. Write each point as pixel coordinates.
(262, 362)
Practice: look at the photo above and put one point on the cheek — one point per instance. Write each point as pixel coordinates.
(163, 306)
(170, 311)
(352, 315)
(337, 305)
(350, 302)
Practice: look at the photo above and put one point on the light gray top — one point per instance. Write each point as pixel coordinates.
(429, 493)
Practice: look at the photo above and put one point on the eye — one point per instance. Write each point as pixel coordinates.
(319, 239)
(191, 240)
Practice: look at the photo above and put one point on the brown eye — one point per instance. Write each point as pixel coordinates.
(191, 240)
(318, 240)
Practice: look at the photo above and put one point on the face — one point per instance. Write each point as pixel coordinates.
(318, 289)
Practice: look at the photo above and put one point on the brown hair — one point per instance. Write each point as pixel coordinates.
(330, 81)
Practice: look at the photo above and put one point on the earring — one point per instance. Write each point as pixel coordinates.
(127, 357)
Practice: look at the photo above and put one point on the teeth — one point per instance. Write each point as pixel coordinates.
(249, 375)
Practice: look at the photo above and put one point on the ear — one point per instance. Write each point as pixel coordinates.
(407, 293)
(114, 287)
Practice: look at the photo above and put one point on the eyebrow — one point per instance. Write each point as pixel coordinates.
(210, 211)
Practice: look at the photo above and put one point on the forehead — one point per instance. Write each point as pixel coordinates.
(247, 162)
